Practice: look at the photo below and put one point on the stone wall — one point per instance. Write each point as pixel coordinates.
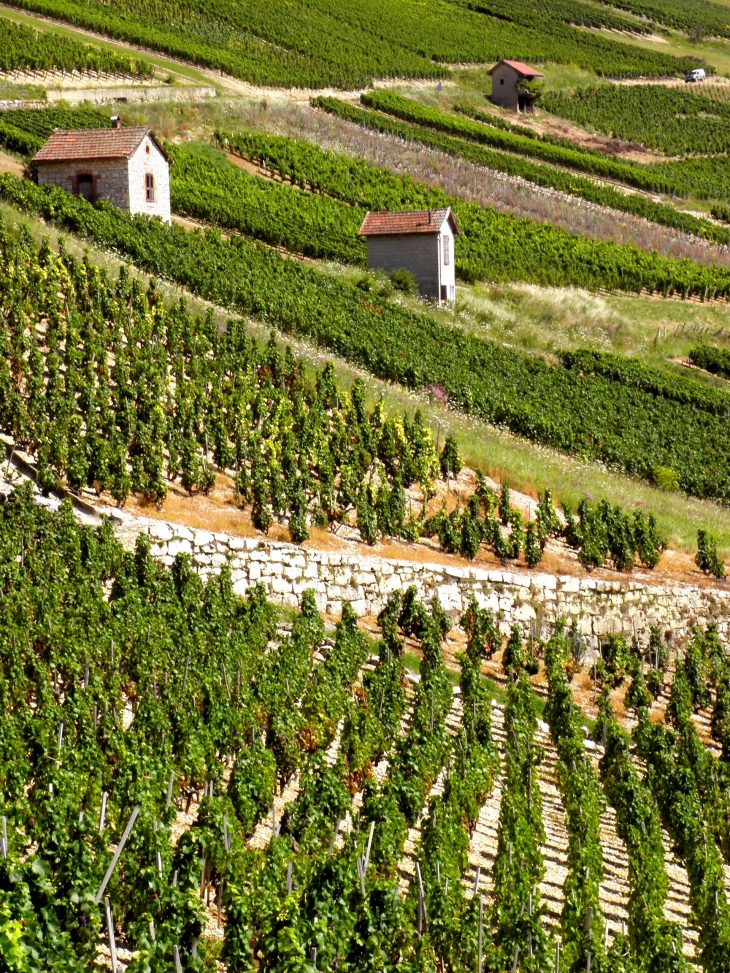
(533, 600)
(100, 96)
(111, 177)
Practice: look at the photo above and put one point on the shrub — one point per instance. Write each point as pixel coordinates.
(665, 478)
(404, 281)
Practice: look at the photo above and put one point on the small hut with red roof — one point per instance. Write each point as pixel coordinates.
(511, 85)
(126, 166)
(421, 242)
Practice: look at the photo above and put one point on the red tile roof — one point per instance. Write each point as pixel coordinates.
(521, 67)
(94, 143)
(420, 221)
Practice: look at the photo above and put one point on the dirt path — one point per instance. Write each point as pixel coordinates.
(8, 163)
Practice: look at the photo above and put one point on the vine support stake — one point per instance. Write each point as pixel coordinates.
(169, 788)
(110, 930)
(557, 957)
(481, 932)
(117, 853)
(176, 956)
(288, 877)
(422, 894)
(517, 956)
(5, 837)
(334, 836)
(370, 842)
(476, 881)
(102, 813)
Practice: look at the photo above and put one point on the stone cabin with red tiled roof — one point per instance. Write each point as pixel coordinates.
(126, 166)
(421, 242)
(507, 89)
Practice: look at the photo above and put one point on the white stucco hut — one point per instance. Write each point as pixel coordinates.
(421, 242)
(126, 166)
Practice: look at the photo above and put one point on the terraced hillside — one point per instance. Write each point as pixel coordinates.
(311, 789)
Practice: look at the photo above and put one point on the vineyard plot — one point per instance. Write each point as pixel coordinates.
(555, 848)
(483, 844)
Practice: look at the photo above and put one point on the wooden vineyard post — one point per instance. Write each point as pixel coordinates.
(110, 931)
(117, 853)
(481, 932)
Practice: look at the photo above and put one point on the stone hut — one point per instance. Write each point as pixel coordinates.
(506, 88)
(126, 166)
(421, 242)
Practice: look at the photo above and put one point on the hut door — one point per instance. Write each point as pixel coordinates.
(85, 183)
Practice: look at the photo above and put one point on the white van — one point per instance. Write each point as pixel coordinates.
(696, 74)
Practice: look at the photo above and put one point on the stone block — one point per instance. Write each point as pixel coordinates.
(179, 545)
(450, 597)
(161, 531)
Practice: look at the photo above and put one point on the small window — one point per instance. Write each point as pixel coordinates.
(444, 292)
(446, 251)
(501, 80)
(147, 148)
(149, 187)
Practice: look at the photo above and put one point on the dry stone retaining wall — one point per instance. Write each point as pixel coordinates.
(534, 600)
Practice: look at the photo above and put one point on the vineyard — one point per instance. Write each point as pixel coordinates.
(25, 130)
(689, 16)
(431, 132)
(671, 120)
(348, 44)
(584, 413)
(188, 783)
(83, 392)
(25, 49)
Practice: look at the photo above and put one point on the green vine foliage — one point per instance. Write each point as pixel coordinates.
(582, 918)
(518, 912)
(656, 942)
(87, 630)
(677, 783)
(579, 413)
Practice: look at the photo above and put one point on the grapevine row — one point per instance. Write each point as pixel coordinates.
(23, 48)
